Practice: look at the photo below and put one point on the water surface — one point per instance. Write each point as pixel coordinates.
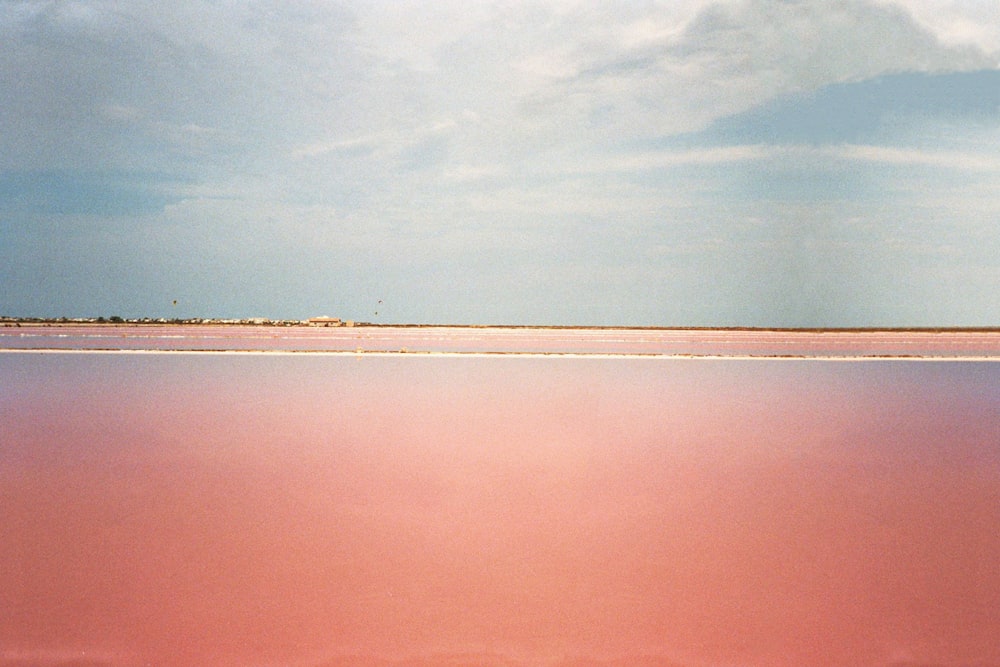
(948, 343)
(336, 510)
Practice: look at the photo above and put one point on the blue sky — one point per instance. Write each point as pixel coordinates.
(685, 162)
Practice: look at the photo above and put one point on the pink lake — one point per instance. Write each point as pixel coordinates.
(391, 511)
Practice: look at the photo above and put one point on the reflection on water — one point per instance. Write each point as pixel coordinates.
(321, 511)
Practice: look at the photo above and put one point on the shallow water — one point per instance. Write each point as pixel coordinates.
(950, 344)
(322, 510)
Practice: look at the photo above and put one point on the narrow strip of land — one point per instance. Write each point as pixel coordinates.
(539, 341)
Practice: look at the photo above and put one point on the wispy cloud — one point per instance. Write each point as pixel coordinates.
(963, 161)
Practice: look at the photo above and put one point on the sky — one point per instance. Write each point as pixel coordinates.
(675, 163)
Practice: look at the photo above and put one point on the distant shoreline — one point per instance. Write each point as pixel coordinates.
(266, 322)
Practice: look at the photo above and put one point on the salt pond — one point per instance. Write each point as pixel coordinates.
(336, 510)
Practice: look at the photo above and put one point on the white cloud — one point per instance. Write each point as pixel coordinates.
(300, 78)
(319, 148)
(607, 77)
(805, 156)
(959, 160)
(753, 50)
(958, 22)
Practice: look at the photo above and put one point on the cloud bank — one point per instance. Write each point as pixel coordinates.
(550, 162)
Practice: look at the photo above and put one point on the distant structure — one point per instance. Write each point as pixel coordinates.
(324, 321)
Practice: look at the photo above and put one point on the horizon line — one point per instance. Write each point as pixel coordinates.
(286, 322)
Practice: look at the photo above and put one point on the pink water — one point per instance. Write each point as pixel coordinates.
(319, 511)
(698, 342)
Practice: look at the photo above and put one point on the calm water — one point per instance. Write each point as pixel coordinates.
(324, 511)
(951, 344)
